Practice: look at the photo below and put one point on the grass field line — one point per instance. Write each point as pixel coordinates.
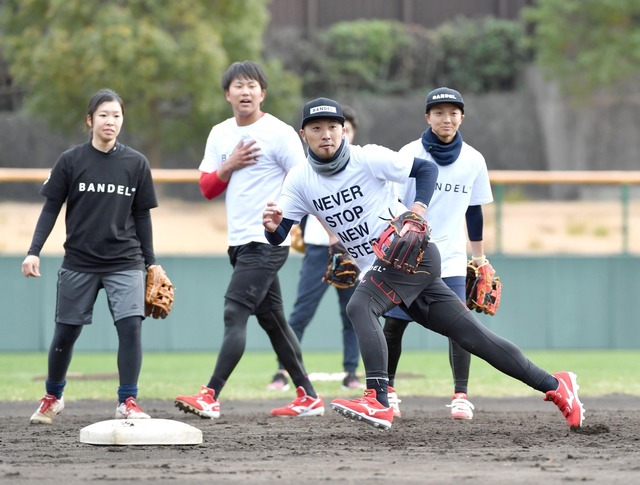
(93, 375)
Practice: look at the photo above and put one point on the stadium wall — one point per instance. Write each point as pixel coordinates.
(558, 302)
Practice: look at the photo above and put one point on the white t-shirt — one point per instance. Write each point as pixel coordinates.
(250, 188)
(315, 233)
(354, 203)
(463, 183)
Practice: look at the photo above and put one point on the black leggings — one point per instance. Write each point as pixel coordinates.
(283, 340)
(129, 350)
(393, 332)
(459, 359)
(449, 318)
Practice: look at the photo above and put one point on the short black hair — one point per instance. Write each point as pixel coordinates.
(244, 70)
(350, 115)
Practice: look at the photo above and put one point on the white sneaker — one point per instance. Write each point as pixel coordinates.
(394, 402)
(129, 409)
(461, 407)
(49, 407)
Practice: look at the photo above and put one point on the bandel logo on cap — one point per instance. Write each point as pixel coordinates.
(444, 95)
(323, 109)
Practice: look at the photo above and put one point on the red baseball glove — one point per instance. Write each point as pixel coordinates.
(483, 288)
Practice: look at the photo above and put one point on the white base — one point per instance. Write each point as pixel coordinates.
(140, 432)
(326, 376)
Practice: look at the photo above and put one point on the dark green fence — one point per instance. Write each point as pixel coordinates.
(548, 303)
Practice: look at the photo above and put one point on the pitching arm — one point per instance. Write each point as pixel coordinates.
(426, 174)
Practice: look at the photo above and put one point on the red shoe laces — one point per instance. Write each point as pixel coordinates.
(133, 405)
(47, 402)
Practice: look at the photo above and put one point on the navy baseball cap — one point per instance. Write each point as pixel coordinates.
(444, 95)
(322, 108)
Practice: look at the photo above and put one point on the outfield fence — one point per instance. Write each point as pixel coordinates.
(550, 302)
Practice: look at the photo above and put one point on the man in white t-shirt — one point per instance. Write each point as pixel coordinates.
(249, 155)
(349, 188)
(311, 289)
(461, 189)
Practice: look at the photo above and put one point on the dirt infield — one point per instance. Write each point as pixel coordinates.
(513, 440)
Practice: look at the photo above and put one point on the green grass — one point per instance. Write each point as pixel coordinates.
(164, 375)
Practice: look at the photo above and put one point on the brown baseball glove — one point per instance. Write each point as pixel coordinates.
(342, 271)
(297, 241)
(159, 293)
(403, 252)
(483, 288)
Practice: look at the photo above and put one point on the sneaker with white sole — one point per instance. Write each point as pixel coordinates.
(301, 406)
(366, 409)
(129, 409)
(566, 398)
(202, 404)
(49, 407)
(461, 407)
(279, 382)
(394, 402)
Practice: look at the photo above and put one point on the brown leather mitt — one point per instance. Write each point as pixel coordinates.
(159, 294)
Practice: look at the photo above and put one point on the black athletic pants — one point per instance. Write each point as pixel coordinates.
(434, 306)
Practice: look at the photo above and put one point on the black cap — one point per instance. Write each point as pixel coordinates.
(444, 95)
(322, 108)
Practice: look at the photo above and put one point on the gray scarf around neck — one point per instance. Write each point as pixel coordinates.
(334, 164)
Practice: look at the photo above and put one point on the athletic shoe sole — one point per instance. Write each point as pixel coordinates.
(461, 417)
(40, 418)
(574, 389)
(305, 414)
(188, 408)
(133, 416)
(43, 419)
(380, 424)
